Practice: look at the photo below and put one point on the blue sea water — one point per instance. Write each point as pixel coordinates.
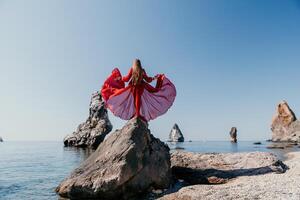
(32, 170)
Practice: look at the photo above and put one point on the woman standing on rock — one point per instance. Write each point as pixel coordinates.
(139, 98)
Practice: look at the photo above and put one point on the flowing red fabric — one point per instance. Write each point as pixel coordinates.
(150, 101)
(112, 83)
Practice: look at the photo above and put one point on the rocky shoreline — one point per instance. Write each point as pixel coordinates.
(268, 186)
(131, 163)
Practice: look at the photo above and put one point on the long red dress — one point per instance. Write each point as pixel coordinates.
(140, 100)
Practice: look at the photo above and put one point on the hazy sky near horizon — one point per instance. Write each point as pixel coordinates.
(232, 61)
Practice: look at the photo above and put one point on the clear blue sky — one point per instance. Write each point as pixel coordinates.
(232, 61)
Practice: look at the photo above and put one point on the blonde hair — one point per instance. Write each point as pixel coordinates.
(137, 72)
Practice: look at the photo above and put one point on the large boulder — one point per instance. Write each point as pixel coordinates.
(233, 134)
(285, 126)
(205, 168)
(127, 163)
(91, 132)
(176, 134)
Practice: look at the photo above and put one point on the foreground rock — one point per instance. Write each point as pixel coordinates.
(1, 140)
(267, 186)
(127, 163)
(176, 134)
(233, 134)
(92, 132)
(214, 168)
(285, 126)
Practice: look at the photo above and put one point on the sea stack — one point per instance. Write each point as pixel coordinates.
(285, 126)
(128, 163)
(176, 134)
(233, 134)
(91, 132)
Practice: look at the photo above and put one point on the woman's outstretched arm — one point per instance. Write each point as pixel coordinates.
(147, 78)
(128, 76)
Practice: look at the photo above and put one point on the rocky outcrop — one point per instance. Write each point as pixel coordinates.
(127, 163)
(284, 115)
(176, 134)
(285, 126)
(1, 140)
(214, 168)
(233, 134)
(92, 132)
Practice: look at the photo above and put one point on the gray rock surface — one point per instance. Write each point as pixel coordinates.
(176, 134)
(92, 132)
(268, 186)
(205, 168)
(285, 126)
(127, 163)
(233, 134)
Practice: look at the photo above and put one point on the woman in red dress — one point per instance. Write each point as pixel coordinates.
(139, 98)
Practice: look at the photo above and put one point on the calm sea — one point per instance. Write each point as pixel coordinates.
(32, 170)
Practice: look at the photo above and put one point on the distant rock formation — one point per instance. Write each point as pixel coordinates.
(1, 140)
(257, 143)
(92, 132)
(285, 126)
(176, 134)
(284, 115)
(233, 134)
(214, 168)
(127, 163)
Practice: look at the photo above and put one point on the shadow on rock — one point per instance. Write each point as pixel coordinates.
(216, 176)
(218, 168)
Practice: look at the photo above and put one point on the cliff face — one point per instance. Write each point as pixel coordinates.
(91, 132)
(285, 126)
(176, 134)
